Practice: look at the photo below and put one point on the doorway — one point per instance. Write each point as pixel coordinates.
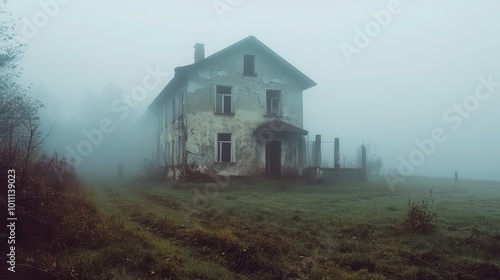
(273, 158)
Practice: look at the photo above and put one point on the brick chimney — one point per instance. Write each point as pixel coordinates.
(199, 52)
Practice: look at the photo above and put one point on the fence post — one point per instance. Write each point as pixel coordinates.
(303, 155)
(456, 179)
(363, 162)
(336, 158)
(312, 162)
(317, 151)
(120, 170)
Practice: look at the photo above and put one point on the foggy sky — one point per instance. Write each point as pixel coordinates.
(400, 86)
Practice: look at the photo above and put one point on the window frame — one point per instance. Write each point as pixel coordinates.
(269, 111)
(219, 148)
(222, 100)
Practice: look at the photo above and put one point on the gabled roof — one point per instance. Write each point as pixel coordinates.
(278, 126)
(181, 73)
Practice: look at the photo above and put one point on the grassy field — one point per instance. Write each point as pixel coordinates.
(286, 229)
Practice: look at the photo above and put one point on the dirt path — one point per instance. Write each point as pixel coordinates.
(148, 216)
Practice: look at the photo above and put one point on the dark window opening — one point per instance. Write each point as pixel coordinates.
(249, 65)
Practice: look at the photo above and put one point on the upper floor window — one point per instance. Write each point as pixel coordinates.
(249, 65)
(273, 102)
(223, 99)
(224, 149)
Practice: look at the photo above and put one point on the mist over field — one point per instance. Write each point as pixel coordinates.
(195, 139)
(390, 74)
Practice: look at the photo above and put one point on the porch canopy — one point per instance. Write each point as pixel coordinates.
(265, 131)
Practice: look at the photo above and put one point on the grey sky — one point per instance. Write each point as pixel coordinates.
(394, 90)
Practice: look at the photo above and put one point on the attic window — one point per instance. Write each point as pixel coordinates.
(249, 65)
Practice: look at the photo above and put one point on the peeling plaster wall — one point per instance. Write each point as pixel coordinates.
(201, 141)
(172, 129)
(249, 111)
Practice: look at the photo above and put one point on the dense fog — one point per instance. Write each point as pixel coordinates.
(417, 80)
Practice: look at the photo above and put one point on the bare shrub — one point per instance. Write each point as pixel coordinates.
(420, 216)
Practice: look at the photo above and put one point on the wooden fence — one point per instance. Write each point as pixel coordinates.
(317, 164)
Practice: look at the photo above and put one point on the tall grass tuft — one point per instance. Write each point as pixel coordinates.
(420, 217)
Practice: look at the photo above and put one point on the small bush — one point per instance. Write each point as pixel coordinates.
(420, 217)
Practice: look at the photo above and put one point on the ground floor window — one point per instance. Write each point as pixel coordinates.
(224, 147)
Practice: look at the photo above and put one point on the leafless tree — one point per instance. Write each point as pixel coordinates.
(20, 134)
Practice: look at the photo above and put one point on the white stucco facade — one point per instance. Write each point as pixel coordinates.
(215, 108)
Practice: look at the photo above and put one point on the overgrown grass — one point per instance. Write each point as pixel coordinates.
(284, 229)
(75, 241)
(273, 229)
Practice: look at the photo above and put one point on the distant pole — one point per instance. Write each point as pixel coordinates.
(120, 170)
(363, 162)
(312, 162)
(318, 151)
(302, 155)
(336, 157)
(456, 179)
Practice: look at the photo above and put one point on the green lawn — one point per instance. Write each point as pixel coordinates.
(284, 229)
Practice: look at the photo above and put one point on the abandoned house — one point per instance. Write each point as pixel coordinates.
(236, 112)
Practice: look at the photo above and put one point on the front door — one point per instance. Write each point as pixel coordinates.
(273, 158)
